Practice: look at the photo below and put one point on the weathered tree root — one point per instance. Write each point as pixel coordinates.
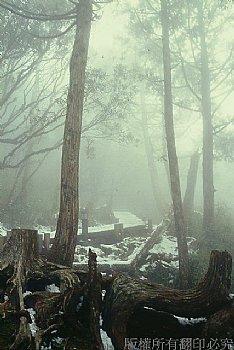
(75, 311)
(128, 302)
(22, 269)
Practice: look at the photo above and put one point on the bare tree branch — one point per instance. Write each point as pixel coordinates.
(54, 36)
(218, 128)
(39, 17)
(184, 69)
(221, 102)
(40, 151)
(223, 79)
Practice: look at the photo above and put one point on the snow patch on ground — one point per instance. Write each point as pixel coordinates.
(144, 267)
(124, 217)
(165, 251)
(128, 219)
(120, 253)
(167, 246)
(3, 230)
(44, 347)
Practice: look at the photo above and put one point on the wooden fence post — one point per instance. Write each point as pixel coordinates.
(8, 234)
(85, 221)
(40, 242)
(47, 241)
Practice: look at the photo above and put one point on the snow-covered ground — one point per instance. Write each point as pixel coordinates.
(126, 218)
(161, 262)
(120, 253)
(165, 252)
(3, 230)
(125, 251)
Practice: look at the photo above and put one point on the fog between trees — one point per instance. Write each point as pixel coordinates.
(124, 68)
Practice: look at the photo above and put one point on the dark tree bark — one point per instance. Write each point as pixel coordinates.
(131, 305)
(18, 256)
(75, 311)
(221, 324)
(94, 299)
(21, 269)
(180, 226)
(63, 249)
(20, 251)
(188, 202)
(208, 177)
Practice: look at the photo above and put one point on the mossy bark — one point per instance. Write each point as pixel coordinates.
(129, 301)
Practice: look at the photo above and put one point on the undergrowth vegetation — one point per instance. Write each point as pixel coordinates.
(220, 238)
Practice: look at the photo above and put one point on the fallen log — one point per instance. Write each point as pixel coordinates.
(221, 324)
(153, 239)
(133, 308)
(61, 313)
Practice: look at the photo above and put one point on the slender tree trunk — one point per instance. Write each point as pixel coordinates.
(172, 156)
(63, 248)
(24, 191)
(151, 163)
(188, 203)
(164, 144)
(208, 181)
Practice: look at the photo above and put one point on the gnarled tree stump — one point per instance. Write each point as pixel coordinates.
(17, 259)
(132, 306)
(63, 313)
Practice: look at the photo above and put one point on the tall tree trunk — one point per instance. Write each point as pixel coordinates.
(155, 183)
(164, 145)
(172, 156)
(24, 191)
(63, 248)
(208, 181)
(188, 202)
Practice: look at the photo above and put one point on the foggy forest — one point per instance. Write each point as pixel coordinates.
(116, 174)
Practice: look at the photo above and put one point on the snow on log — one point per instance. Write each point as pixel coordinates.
(56, 311)
(153, 239)
(131, 305)
(18, 255)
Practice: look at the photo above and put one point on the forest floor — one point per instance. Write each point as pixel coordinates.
(161, 260)
(122, 253)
